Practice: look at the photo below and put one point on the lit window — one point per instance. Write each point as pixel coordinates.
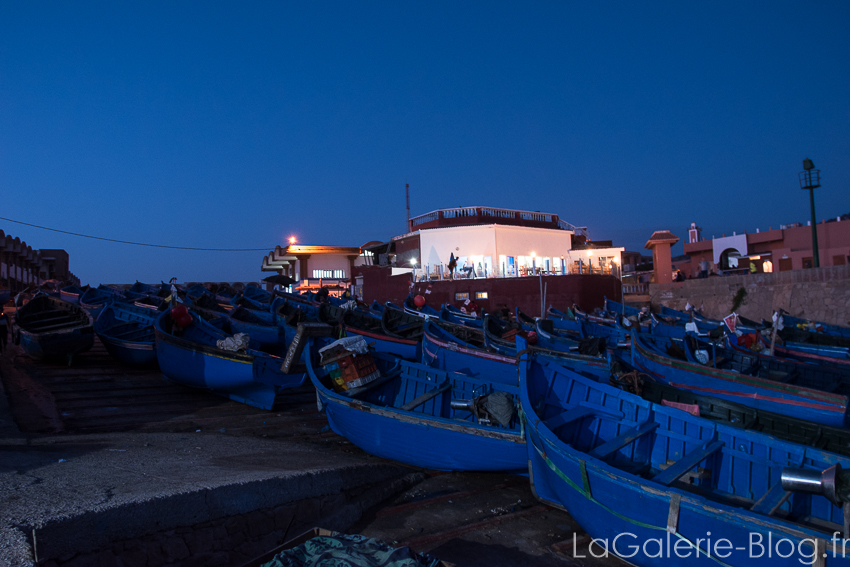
(329, 274)
(461, 296)
(480, 295)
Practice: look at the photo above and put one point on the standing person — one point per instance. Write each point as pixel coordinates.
(703, 269)
(452, 265)
(4, 330)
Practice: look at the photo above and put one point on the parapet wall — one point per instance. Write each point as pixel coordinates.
(822, 294)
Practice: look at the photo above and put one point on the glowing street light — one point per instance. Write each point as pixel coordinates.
(292, 240)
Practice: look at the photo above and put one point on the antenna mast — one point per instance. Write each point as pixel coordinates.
(407, 196)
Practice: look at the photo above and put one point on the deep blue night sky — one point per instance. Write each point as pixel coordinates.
(235, 125)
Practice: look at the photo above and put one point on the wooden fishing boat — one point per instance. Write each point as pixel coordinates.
(95, 299)
(668, 362)
(257, 294)
(71, 294)
(49, 328)
(453, 315)
(260, 326)
(396, 332)
(564, 322)
(804, 432)
(421, 416)
(800, 336)
(824, 328)
(590, 359)
(788, 355)
(658, 486)
(615, 307)
(458, 348)
(191, 356)
(126, 331)
(206, 305)
(158, 290)
(425, 311)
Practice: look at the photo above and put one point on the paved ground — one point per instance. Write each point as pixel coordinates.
(97, 451)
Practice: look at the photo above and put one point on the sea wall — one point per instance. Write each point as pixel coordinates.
(822, 294)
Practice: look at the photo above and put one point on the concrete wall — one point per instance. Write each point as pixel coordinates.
(822, 294)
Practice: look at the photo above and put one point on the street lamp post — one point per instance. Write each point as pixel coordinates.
(810, 179)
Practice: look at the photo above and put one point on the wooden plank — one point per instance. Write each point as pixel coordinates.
(672, 473)
(426, 396)
(771, 501)
(629, 436)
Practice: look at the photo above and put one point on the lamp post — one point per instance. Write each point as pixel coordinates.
(616, 262)
(810, 179)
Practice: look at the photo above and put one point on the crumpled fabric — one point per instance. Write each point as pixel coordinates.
(236, 343)
(501, 406)
(343, 550)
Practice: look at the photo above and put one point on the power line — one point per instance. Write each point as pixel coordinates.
(139, 243)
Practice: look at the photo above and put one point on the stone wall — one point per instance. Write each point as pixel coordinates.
(822, 294)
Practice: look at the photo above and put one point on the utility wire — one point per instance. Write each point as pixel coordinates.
(140, 243)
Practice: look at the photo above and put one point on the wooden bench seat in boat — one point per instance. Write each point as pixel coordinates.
(675, 471)
(626, 437)
(771, 500)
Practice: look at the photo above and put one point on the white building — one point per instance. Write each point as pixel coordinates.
(490, 242)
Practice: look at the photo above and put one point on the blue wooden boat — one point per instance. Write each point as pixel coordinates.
(572, 354)
(224, 293)
(450, 316)
(196, 290)
(95, 299)
(159, 290)
(804, 432)
(476, 320)
(799, 322)
(420, 416)
(612, 306)
(206, 305)
(257, 294)
(49, 328)
(126, 332)
(659, 357)
(458, 348)
(425, 311)
(564, 322)
(658, 486)
(397, 332)
(5, 295)
(192, 358)
(615, 334)
(260, 326)
(71, 294)
(812, 338)
(815, 356)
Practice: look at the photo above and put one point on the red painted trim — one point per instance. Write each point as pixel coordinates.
(754, 396)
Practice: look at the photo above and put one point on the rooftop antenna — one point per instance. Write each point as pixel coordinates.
(407, 196)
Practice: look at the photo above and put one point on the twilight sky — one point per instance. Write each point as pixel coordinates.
(237, 124)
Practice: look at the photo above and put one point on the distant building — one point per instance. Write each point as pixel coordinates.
(21, 266)
(489, 242)
(314, 266)
(775, 250)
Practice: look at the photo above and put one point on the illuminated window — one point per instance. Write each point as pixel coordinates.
(480, 295)
(329, 274)
(461, 296)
